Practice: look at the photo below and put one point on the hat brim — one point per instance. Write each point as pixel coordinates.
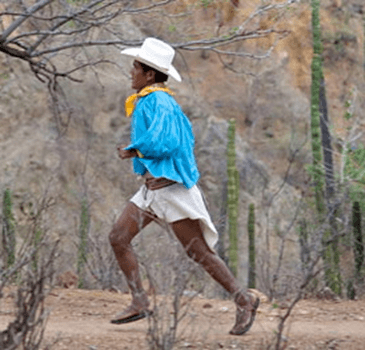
(135, 53)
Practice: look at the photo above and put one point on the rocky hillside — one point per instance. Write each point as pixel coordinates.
(71, 155)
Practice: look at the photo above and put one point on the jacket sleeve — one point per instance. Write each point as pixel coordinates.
(163, 137)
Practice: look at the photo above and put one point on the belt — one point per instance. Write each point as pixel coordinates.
(153, 183)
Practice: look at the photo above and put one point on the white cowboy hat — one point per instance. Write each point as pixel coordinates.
(156, 54)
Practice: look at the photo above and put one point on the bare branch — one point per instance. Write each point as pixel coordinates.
(49, 34)
(36, 7)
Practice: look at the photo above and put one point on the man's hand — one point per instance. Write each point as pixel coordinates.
(125, 154)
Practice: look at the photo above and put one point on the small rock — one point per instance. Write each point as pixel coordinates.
(269, 134)
(284, 338)
(189, 293)
(207, 306)
(67, 279)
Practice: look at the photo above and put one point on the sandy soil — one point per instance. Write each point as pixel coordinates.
(79, 320)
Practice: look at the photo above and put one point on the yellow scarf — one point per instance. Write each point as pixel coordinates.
(129, 103)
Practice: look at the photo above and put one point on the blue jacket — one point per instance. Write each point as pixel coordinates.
(163, 134)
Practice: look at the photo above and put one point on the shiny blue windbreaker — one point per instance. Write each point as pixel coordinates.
(163, 134)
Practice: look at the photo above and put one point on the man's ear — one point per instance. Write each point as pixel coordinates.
(150, 75)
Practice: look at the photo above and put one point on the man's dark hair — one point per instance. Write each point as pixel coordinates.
(159, 76)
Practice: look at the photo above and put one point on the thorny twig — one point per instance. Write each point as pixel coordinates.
(28, 327)
(271, 284)
(64, 27)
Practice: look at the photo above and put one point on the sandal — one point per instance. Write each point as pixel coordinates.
(130, 314)
(245, 317)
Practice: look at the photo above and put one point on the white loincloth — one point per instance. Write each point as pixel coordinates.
(176, 202)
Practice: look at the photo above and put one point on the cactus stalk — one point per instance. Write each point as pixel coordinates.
(8, 229)
(232, 197)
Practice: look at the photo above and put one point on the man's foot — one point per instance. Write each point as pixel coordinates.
(245, 315)
(130, 314)
(136, 311)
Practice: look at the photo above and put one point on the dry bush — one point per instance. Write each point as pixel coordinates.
(26, 331)
(173, 278)
(30, 278)
(102, 265)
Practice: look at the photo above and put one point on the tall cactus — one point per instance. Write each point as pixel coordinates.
(363, 58)
(251, 247)
(37, 238)
(232, 197)
(8, 230)
(330, 250)
(317, 175)
(358, 241)
(83, 238)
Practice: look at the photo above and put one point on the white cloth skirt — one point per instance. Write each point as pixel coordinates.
(176, 202)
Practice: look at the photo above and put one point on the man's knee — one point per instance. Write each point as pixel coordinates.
(197, 252)
(191, 253)
(119, 238)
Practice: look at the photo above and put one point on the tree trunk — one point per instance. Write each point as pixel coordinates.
(251, 247)
(326, 142)
(333, 256)
(358, 241)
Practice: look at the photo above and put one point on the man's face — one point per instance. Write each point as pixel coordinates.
(139, 77)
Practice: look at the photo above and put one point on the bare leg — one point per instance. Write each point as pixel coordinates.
(190, 235)
(129, 224)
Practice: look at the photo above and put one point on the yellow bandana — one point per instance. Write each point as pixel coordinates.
(129, 103)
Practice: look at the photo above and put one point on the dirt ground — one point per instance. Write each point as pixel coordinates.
(79, 320)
